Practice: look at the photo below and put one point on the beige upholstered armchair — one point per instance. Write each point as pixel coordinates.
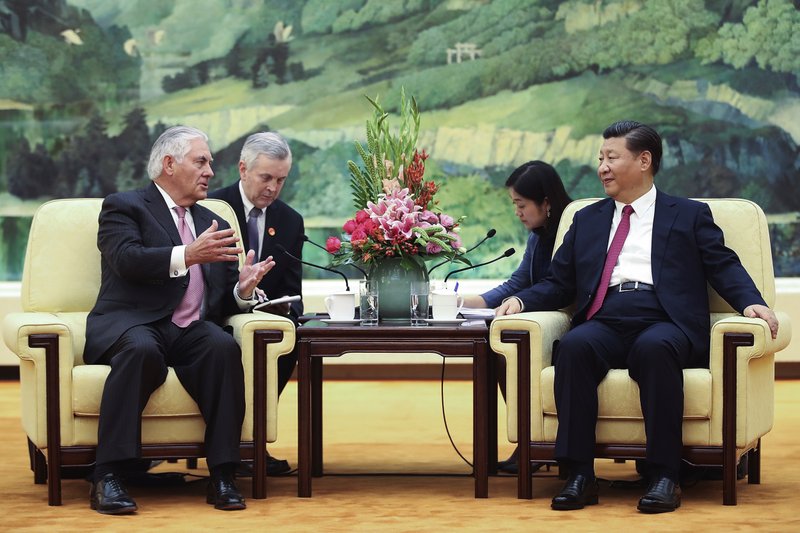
(61, 395)
(728, 407)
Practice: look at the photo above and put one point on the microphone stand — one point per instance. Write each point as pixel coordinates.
(489, 234)
(306, 239)
(285, 251)
(507, 253)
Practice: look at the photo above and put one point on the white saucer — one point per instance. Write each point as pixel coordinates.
(445, 322)
(353, 322)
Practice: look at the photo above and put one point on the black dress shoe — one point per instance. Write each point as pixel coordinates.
(108, 496)
(663, 496)
(578, 492)
(275, 467)
(223, 494)
(510, 466)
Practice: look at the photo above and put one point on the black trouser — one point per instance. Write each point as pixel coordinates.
(630, 331)
(208, 363)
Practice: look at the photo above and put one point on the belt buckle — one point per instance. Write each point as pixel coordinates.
(635, 286)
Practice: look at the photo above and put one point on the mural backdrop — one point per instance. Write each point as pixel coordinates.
(87, 85)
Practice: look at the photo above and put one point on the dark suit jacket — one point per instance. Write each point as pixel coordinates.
(533, 267)
(688, 251)
(135, 238)
(286, 277)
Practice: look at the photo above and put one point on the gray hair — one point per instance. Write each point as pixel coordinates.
(174, 142)
(269, 144)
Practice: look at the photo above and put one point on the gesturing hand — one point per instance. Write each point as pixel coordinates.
(212, 246)
(251, 274)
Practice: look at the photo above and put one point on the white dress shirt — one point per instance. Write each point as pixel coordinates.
(177, 262)
(635, 259)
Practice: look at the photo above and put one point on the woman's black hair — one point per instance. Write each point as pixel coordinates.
(535, 181)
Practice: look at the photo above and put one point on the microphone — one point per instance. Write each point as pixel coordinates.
(306, 239)
(507, 253)
(489, 234)
(285, 251)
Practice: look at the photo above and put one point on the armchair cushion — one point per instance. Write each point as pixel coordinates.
(619, 395)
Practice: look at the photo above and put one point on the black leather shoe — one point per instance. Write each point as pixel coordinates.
(510, 466)
(223, 494)
(108, 496)
(275, 467)
(663, 496)
(578, 492)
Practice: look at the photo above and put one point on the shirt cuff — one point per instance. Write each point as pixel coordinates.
(244, 304)
(177, 262)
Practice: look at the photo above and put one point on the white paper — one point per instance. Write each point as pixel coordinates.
(477, 312)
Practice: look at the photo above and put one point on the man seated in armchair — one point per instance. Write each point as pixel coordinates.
(636, 266)
(169, 272)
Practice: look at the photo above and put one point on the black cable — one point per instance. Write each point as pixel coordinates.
(444, 418)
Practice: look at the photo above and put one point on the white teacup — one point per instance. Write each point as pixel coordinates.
(341, 305)
(445, 305)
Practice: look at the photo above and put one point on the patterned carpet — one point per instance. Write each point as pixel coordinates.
(396, 429)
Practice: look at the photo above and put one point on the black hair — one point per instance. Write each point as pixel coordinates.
(638, 138)
(535, 181)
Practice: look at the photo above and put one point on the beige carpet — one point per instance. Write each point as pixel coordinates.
(396, 428)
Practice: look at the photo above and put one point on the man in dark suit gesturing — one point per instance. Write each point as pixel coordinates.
(267, 224)
(169, 273)
(636, 267)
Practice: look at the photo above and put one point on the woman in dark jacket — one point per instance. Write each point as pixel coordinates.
(539, 200)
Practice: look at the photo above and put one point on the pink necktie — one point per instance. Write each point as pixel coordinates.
(189, 308)
(611, 260)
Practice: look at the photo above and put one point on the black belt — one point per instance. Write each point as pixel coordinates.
(632, 286)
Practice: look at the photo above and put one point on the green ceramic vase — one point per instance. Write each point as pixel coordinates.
(394, 277)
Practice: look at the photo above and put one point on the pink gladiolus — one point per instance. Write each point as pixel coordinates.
(376, 209)
(446, 220)
(333, 245)
(429, 217)
(433, 248)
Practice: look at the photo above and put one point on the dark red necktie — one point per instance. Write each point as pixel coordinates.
(611, 260)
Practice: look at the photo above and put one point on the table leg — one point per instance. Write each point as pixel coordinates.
(316, 416)
(491, 407)
(480, 421)
(304, 428)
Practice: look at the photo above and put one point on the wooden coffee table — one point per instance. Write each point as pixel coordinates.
(317, 340)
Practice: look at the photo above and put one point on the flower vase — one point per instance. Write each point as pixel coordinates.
(394, 277)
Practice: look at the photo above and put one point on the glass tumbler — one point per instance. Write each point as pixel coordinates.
(419, 303)
(368, 302)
